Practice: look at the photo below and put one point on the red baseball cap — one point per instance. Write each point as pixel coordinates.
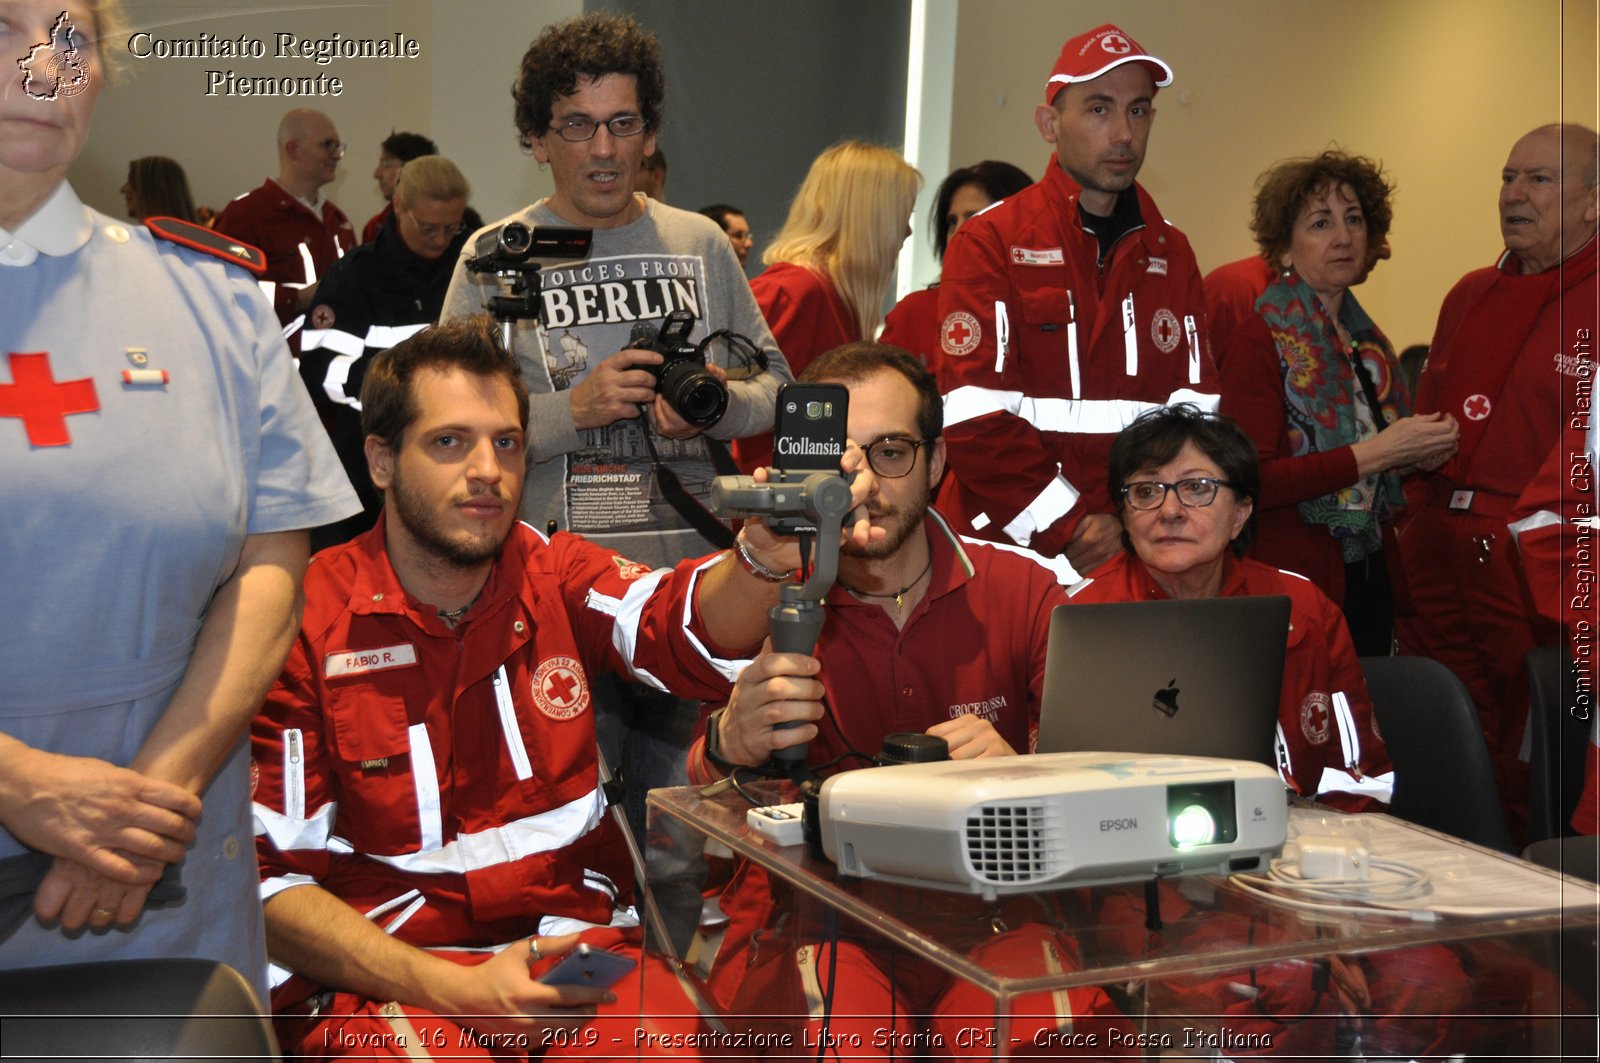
(1086, 57)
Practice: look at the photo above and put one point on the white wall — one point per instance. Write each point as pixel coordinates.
(457, 92)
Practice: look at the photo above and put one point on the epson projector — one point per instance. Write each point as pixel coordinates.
(1020, 824)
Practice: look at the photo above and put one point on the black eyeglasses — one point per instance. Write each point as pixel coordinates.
(581, 127)
(894, 456)
(1195, 492)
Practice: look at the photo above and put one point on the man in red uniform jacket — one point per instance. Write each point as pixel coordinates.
(1067, 311)
(288, 217)
(929, 633)
(429, 820)
(1511, 357)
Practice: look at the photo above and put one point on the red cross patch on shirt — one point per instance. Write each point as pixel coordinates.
(559, 688)
(42, 402)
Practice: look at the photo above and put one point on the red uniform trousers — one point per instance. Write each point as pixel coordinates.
(1462, 565)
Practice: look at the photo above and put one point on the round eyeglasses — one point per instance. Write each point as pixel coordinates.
(893, 456)
(581, 127)
(1152, 494)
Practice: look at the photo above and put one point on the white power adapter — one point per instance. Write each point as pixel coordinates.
(1325, 857)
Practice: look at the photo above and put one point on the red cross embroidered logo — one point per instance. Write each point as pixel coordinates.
(1116, 44)
(559, 689)
(1164, 330)
(41, 402)
(1316, 717)
(960, 333)
(1477, 407)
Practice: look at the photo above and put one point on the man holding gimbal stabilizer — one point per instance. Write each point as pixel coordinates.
(925, 632)
(604, 445)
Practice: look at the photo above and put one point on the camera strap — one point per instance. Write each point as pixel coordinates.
(689, 507)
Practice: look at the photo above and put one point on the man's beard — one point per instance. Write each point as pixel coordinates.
(908, 519)
(423, 525)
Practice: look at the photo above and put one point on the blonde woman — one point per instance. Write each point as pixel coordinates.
(828, 269)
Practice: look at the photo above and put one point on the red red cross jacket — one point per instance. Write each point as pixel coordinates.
(1325, 721)
(1045, 357)
(299, 244)
(444, 782)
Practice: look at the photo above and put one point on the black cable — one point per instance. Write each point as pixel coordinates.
(832, 939)
(752, 359)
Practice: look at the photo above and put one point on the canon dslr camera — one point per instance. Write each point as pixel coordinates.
(682, 377)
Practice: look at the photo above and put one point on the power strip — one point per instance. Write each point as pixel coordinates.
(780, 823)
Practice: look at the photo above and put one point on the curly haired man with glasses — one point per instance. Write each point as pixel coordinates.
(588, 107)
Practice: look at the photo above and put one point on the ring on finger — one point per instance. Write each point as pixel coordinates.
(533, 948)
(104, 913)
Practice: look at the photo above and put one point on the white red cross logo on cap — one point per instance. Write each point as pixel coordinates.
(1477, 407)
(1116, 44)
(559, 688)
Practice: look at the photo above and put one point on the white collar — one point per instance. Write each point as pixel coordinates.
(58, 228)
(313, 205)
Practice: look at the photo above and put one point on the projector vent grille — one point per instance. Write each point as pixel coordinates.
(1009, 843)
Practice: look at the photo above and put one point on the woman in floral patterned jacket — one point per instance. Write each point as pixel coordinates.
(1317, 386)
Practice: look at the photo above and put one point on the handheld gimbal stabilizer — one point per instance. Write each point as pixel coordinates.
(823, 499)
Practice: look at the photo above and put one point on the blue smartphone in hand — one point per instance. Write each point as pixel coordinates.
(589, 967)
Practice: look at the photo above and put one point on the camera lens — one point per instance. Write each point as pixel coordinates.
(694, 393)
(515, 238)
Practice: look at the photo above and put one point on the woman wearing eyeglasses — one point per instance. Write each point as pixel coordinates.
(1316, 384)
(1187, 484)
(828, 268)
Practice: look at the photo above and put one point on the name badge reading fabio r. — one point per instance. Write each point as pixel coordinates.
(355, 662)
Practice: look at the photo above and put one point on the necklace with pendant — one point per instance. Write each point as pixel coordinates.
(899, 596)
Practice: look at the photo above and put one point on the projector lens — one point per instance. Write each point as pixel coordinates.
(1201, 814)
(1193, 825)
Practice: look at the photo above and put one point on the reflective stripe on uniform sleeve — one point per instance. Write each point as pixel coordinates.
(350, 349)
(1285, 762)
(1051, 504)
(382, 337)
(332, 339)
(626, 613)
(509, 726)
(1080, 416)
(1130, 336)
(541, 833)
(1206, 400)
(1542, 519)
(400, 920)
(275, 885)
(729, 669)
(425, 780)
(1379, 787)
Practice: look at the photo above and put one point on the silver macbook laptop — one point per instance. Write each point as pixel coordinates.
(1198, 677)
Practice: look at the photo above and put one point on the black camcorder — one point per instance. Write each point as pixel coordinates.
(682, 378)
(514, 244)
